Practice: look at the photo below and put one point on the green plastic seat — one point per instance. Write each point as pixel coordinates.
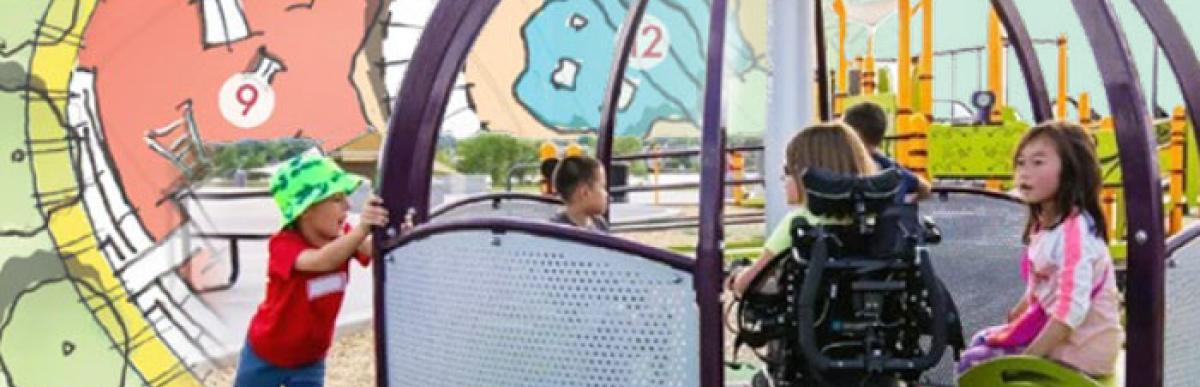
(740, 374)
(1032, 371)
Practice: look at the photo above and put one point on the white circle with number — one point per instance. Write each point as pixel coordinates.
(246, 100)
(653, 43)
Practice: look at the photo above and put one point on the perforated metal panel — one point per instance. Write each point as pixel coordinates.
(528, 209)
(978, 260)
(1182, 360)
(476, 308)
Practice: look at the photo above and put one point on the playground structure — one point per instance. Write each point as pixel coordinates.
(565, 279)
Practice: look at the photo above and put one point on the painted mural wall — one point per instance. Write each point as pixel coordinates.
(103, 105)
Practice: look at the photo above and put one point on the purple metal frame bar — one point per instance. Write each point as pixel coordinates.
(612, 92)
(978, 192)
(1018, 35)
(709, 253)
(1183, 237)
(678, 186)
(554, 230)
(407, 160)
(1178, 50)
(493, 197)
(1135, 142)
(681, 153)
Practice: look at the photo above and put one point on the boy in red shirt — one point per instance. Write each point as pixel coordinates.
(307, 273)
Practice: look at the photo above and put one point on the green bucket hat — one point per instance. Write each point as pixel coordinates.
(308, 179)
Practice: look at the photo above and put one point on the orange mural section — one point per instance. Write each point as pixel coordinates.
(256, 69)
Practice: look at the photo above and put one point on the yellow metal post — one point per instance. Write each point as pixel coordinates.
(839, 97)
(1061, 107)
(925, 65)
(868, 70)
(1108, 198)
(1085, 109)
(918, 154)
(995, 51)
(1178, 145)
(904, 82)
(737, 164)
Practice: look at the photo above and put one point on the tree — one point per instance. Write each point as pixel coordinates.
(493, 154)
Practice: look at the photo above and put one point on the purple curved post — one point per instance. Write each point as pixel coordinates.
(407, 161)
(823, 88)
(1144, 297)
(709, 253)
(1018, 35)
(612, 92)
(1179, 52)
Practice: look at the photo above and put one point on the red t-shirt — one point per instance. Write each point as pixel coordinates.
(294, 325)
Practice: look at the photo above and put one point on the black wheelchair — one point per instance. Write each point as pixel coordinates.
(853, 304)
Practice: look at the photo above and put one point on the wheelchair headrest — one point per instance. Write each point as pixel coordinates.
(837, 195)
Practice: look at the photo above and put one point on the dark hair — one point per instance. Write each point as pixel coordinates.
(1079, 181)
(573, 171)
(869, 120)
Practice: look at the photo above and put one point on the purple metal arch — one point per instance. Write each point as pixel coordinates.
(493, 197)
(1144, 295)
(709, 252)
(1018, 35)
(547, 229)
(407, 161)
(612, 92)
(1179, 52)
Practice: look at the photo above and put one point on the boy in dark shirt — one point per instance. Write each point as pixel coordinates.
(870, 121)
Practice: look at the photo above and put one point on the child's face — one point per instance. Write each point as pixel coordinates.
(593, 198)
(793, 189)
(1037, 171)
(325, 218)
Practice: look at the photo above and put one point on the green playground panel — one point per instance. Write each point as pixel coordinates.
(1029, 371)
(985, 151)
(973, 151)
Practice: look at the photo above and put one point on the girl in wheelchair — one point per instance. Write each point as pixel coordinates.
(843, 293)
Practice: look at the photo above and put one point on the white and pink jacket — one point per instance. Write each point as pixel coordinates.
(1069, 278)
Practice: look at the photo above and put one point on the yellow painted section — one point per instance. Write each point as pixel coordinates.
(904, 82)
(925, 64)
(1060, 110)
(1085, 109)
(1177, 146)
(868, 69)
(995, 55)
(839, 98)
(69, 224)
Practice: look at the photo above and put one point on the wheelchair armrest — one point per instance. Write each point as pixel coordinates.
(933, 233)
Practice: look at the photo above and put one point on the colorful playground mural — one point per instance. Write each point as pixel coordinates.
(552, 82)
(109, 109)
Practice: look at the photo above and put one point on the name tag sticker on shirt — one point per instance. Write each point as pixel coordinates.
(325, 285)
